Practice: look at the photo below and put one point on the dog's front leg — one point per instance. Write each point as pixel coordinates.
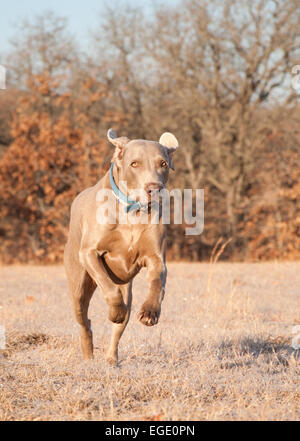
(157, 273)
(89, 258)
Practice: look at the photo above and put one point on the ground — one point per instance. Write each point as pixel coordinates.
(225, 348)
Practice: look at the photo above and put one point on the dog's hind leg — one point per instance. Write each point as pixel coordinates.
(81, 287)
(81, 299)
(118, 328)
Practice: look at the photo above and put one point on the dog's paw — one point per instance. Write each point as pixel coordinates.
(111, 360)
(149, 314)
(117, 313)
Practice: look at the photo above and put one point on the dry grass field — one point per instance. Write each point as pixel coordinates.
(221, 351)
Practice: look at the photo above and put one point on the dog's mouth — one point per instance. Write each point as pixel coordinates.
(153, 193)
(150, 198)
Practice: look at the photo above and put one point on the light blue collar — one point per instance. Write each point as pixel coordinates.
(121, 197)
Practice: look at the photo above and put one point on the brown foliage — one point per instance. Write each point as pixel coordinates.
(7, 106)
(216, 74)
(53, 156)
(272, 228)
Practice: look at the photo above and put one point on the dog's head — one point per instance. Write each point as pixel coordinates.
(143, 164)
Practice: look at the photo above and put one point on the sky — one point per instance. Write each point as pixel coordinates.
(82, 15)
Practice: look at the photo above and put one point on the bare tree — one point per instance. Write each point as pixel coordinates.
(120, 52)
(40, 45)
(220, 63)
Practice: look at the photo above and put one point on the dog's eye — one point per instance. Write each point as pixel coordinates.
(134, 164)
(163, 164)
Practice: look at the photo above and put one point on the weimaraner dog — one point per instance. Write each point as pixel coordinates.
(110, 254)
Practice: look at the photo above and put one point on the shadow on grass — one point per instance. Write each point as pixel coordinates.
(269, 345)
(17, 342)
(278, 350)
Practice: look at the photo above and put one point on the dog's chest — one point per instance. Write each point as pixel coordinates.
(133, 238)
(130, 238)
(124, 250)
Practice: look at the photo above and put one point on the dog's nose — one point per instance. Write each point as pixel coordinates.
(153, 186)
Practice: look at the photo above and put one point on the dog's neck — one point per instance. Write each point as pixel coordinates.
(121, 194)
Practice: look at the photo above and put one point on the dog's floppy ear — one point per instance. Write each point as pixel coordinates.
(169, 141)
(119, 143)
